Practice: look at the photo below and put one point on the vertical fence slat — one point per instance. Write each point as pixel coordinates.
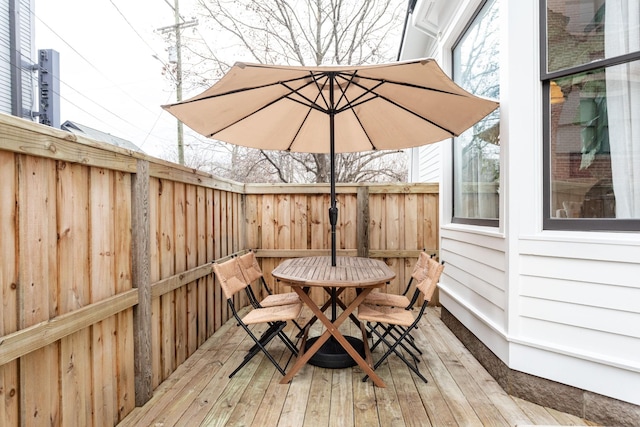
(9, 381)
(201, 258)
(155, 191)
(210, 243)
(141, 279)
(102, 286)
(191, 254)
(362, 229)
(167, 269)
(180, 258)
(38, 285)
(73, 262)
(124, 341)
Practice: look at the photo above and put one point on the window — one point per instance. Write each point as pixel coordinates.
(591, 83)
(476, 153)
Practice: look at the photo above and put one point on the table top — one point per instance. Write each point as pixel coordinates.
(349, 272)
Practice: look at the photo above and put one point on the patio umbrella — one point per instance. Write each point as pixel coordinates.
(334, 109)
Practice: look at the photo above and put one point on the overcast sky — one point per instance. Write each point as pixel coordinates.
(110, 79)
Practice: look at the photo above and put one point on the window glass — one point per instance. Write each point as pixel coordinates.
(595, 143)
(476, 153)
(574, 32)
(593, 115)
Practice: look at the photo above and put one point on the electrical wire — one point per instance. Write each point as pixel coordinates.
(154, 113)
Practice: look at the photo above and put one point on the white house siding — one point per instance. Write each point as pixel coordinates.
(29, 78)
(564, 306)
(5, 70)
(27, 40)
(473, 284)
(425, 163)
(579, 304)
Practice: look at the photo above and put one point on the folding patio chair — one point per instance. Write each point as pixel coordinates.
(418, 274)
(251, 271)
(391, 317)
(232, 281)
(393, 300)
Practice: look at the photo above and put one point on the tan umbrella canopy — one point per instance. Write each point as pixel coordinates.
(334, 109)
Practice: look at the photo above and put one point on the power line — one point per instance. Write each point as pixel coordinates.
(92, 65)
(74, 50)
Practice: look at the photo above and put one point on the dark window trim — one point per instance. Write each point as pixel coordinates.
(454, 219)
(568, 224)
(601, 63)
(476, 221)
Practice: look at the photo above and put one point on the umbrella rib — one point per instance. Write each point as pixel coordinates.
(245, 89)
(376, 95)
(371, 91)
(311, 104)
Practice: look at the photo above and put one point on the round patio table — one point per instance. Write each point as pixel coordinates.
(332, 349)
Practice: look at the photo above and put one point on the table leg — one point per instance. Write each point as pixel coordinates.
(332, 329)
(323, 309)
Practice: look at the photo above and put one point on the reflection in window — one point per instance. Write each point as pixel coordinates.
(574, 32)
(476, 156)
(594, 115)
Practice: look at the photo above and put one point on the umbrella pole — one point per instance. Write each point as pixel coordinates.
(333, 210)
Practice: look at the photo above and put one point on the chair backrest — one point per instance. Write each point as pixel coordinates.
(428, 285)
(250, 267)
(230, 276)
(419, 272)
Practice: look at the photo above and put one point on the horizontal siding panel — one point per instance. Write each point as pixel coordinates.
(590, 271)
(587, 342)
(595, 247)
(580, 316)
(487, 239)
(485, 278)
(587, 294)
(482, 255)
(430, 163)
(473, 294)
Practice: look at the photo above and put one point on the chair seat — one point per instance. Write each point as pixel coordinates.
(382, 314)
(389, 300)
(273, 314)
(280, 299)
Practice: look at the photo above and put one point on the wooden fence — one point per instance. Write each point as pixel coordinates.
(106, 276)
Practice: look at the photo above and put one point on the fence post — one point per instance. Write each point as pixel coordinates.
(362, 200)
(141, 246)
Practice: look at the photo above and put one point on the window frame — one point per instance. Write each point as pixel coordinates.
(570, 224)
(486, 222)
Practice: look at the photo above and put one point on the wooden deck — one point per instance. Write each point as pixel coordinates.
(459, 393)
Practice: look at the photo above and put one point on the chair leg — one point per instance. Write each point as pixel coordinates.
(392, 348)
(272, 327)
(391, 331)
(261, 346)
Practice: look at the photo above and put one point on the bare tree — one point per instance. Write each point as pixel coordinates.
(296, 32)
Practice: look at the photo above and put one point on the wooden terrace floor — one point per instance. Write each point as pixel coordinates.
(460, 392)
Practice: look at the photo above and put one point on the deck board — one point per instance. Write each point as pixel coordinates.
(460, 391)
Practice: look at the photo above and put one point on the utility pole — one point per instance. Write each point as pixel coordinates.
(177, 27)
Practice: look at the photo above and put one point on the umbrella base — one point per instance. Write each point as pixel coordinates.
(331, 355)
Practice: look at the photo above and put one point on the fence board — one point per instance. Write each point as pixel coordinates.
(200, 259)
(103, 273)
(191, 253)
(124, 329)
(37, 287)
(73, 249)
(9, 381)
(167, 269)
(155, 190)
(212, 302)
(179, 250)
